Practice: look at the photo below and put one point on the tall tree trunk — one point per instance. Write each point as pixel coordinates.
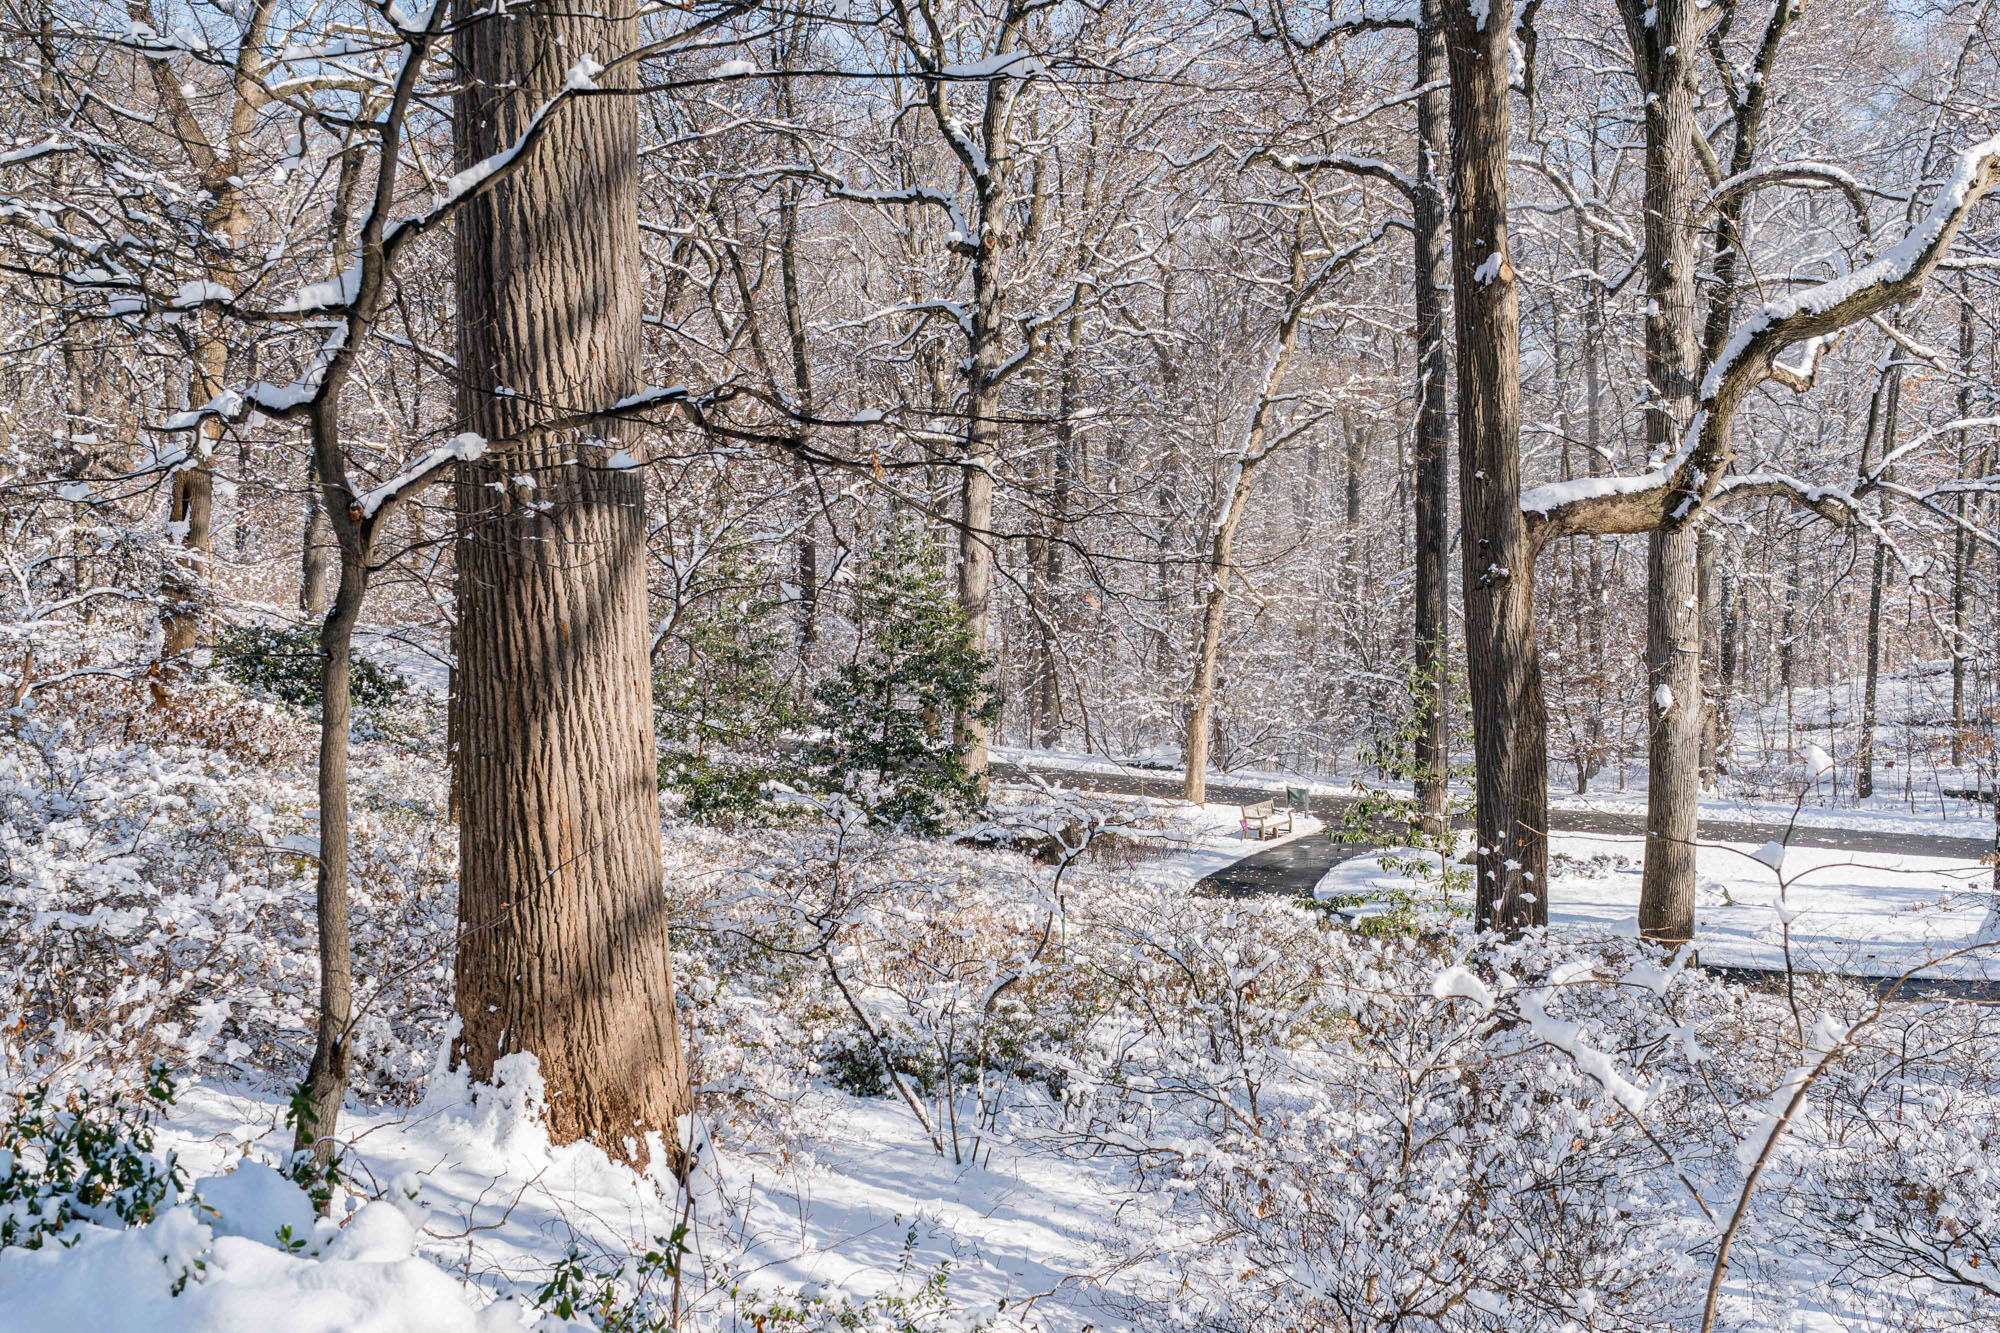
(802, 387)
(1962, 548)
(1728, 654)
(1509, 725)
(190, 516)
(1049, 610)
(1665, 38)
(1707, 544)
(1432, 535)
(1864, 759)
(976, 552)
(1598, 582)
(563, 951)
(1231, 497)
(191, 500)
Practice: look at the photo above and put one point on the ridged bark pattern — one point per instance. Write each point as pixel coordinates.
(565, 948)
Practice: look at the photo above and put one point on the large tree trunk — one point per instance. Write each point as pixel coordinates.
(981, 451)
(563, 952)
(1509, 727)
(1665, 41)
(1432, 636)
(976, 554)
(190, 505)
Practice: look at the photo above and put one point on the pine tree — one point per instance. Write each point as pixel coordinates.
(723, 684)
(885, 720)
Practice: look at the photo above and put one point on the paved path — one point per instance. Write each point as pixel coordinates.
(1167, 783)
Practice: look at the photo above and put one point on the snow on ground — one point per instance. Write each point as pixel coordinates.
(475, 1189)
(1197, 841)
(1859, 913)
(1881, 814)
(1175, 1065)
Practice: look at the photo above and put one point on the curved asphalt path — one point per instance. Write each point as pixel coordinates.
(1294, 867)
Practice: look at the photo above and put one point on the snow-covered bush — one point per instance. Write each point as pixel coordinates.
(156, 893)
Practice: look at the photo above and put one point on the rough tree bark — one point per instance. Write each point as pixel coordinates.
(327, 1078)
(1963, 550)
(563, 950)
(1503, 667)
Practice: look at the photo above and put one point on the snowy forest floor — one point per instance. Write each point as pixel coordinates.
(1097, 1098)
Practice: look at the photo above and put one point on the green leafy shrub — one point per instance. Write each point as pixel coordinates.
(1426, 856)
(91, 1161)
(715, 790)
(720, 682)
(638, 1298)
(887, 721)
(283, 662)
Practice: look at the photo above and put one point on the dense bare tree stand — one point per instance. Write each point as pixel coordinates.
(1509, 728)
(564, 938)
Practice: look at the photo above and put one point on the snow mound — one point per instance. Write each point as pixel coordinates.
(179, 1275)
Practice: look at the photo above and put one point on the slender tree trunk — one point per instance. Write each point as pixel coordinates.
(976, 552)
(563, 951)
(327, 1079)
(1599, 580)
(802, 388)
(1509, 725)
(1049, 611)
(1962, 548)
(1432, 636)
(1665, 41)
(1864, 760)
(1231, 498)
(1729, 640)
(1710, 626)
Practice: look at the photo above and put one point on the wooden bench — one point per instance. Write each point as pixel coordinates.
(1265, 820)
